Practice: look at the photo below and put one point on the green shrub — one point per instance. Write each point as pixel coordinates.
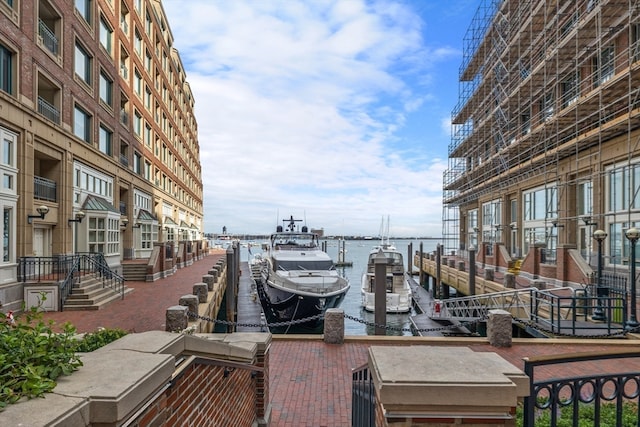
(33, 356)
(100, 338)
(587, 416)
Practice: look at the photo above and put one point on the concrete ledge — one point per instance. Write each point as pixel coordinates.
(118, 379)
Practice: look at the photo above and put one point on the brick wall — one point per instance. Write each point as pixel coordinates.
(204, 396)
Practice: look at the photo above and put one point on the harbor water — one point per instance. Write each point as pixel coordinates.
(357, 253)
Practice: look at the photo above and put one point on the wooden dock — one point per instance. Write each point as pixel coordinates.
(249, 307)
(422, 302)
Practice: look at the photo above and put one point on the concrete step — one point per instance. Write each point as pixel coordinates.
(90, 294)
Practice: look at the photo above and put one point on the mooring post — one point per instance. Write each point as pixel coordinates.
(421, 276)
(230, 291)
(380, 282)
(436, 286)
(410, 259)
(472, 271)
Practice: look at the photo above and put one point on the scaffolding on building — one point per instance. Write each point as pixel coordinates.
(549, 97)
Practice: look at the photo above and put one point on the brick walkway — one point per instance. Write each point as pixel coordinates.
(143, 309)
(310, 381)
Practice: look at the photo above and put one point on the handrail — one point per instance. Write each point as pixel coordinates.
(546, 395)
(65, 269)
(67, 284)
(549, 309)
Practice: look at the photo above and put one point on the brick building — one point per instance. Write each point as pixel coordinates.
(99, 138)
(545, 143)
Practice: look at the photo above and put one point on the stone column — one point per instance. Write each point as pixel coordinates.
(499, 330)
(176, 318)
(201, 291)
(334, 326)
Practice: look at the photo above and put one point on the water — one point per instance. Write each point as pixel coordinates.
(357, 252)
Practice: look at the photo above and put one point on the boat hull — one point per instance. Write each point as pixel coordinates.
(280, 306)
(395, 303)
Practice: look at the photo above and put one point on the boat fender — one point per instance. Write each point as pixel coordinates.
(437, 307)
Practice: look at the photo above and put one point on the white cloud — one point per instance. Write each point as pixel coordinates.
(299, 105)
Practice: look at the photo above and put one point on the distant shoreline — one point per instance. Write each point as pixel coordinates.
(266, 237)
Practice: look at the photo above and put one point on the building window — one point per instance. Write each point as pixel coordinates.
(491, 219)
(106, 36)
(603, 66)
(147, 170)
(97, 234)
(83, 64)
(146, 241)
(6, 70)
(137, 43)
(137, 163)
(635, 42)
(81, 124)
(540, 206)
(147, 62)
(148, 135)
(547, 107)
(7, 231)
(585, 198)
(106, 90)
(137, 124)
(623, 182)
(570, 89)
(84, 9)
(137, 82)
(147, 98)
(105, 142)
(113, 236)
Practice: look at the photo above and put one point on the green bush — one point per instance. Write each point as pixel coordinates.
(33, 356)
(100, 338)
(587, 416)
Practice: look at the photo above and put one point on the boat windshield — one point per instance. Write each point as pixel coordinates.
(294, 240)
(392, 257)
(304, 265)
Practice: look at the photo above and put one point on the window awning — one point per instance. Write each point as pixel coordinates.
(144, 215)
(95, 203)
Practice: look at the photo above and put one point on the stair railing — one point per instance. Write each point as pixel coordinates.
(67, 284)
(94, 262)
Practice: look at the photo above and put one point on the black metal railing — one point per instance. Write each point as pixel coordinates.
(44, 189)
(571, 314)
(363, 398)
(584, 393)
(67, 270)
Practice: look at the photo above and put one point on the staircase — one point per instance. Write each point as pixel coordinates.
(90, 294)
(135, 271)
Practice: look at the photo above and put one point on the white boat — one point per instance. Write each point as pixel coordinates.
(299, 280)
(398, 291)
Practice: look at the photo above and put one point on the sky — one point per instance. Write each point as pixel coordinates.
(334, 111)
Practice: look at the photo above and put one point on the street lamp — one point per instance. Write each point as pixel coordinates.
(598, 313)
(633, 234)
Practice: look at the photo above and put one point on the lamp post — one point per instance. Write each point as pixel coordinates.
(598, 313)
(633, 234)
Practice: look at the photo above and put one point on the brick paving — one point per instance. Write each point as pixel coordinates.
(310, 381)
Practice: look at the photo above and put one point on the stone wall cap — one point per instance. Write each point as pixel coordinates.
(425, 375)
(53, 410)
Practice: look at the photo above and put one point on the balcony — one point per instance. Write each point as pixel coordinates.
(44, 189)
(48, 110)
(49, 39)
